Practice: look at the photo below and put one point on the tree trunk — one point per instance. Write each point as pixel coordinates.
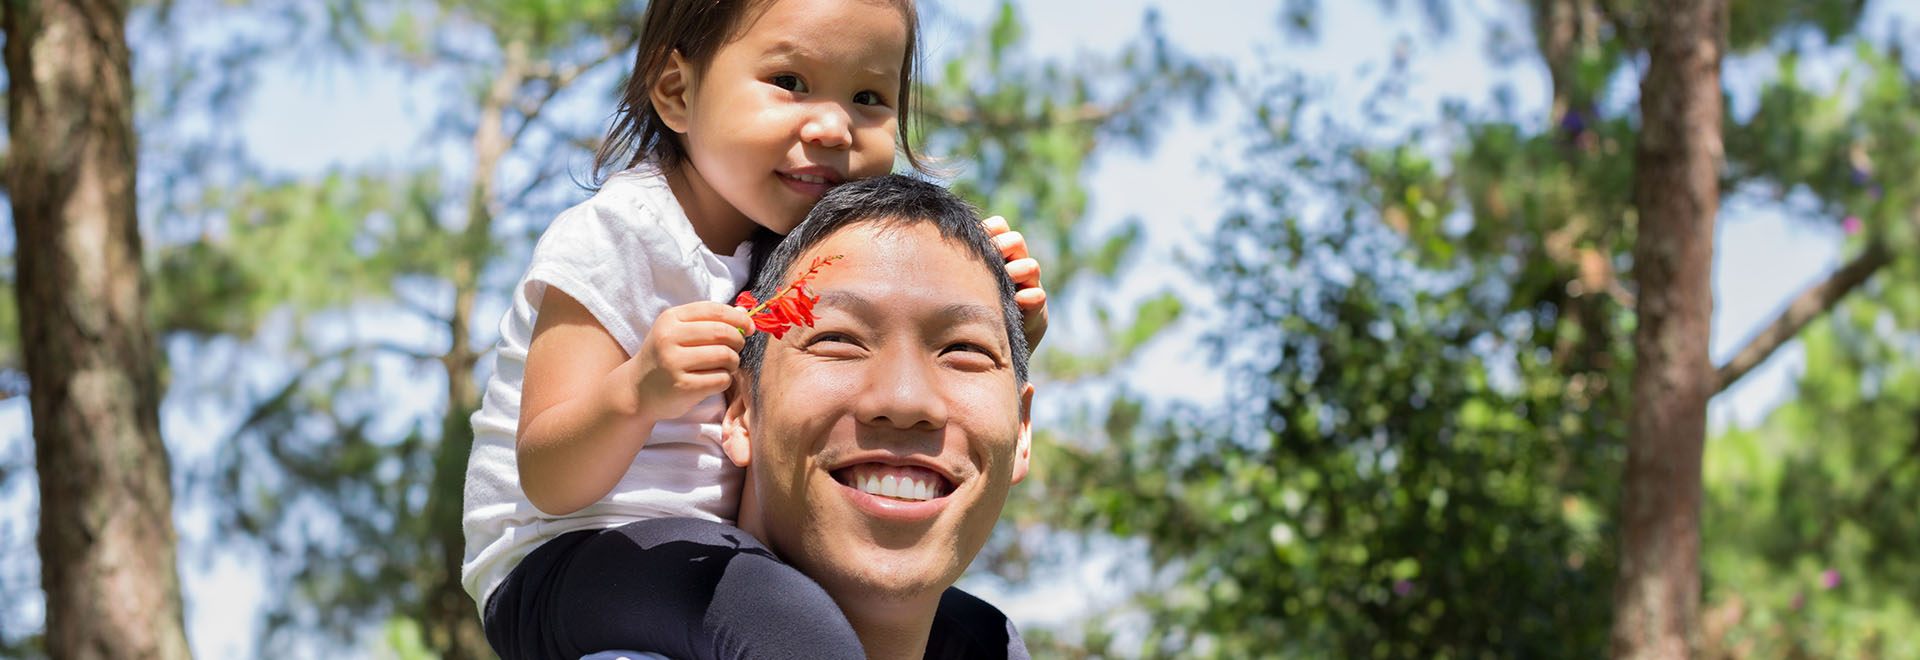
(1676, 190)
(452, 622)
(106, 507)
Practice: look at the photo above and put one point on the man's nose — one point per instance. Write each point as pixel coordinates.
(828, 125)
(902, 394)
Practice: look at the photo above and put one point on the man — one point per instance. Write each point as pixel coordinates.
(880, 443)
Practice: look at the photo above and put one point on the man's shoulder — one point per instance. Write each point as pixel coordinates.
(967, 627)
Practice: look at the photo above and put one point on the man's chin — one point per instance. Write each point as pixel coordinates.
(880, 576)
(885, 549)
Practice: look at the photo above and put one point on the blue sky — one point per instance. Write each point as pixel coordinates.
(306, 119)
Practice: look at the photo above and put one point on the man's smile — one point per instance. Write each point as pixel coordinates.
(889, 488)
(905, 483)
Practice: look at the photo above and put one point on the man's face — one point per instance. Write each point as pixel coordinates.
(884, 438)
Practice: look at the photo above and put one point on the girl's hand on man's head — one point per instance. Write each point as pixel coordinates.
(1025, 271)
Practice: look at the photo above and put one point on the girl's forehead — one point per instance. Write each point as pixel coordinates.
(753, 14)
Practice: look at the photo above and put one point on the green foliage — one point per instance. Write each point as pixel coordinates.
(405, 642)
(1753, 24)
(415, 30)
(11, 360)
(1431, 340)
(1851, 146)
(1375, 482)
(354, 503)
(1825, 484)
(1020, 135)
(352, 237)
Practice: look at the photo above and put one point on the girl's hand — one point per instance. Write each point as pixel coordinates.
(1025, 271)
(691, 353)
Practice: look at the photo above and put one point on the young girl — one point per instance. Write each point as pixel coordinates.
(598, 500)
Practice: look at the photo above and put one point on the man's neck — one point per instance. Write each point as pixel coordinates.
(892, 631)
(888, 630)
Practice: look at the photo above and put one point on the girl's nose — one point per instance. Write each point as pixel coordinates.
(828, 125)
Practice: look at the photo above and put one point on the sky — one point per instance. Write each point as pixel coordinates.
(305, 119)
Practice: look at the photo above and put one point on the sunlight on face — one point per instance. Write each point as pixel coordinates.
(885, 437)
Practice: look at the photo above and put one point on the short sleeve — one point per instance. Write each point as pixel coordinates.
(620, 263)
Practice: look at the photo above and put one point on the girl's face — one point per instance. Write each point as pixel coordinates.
(801, 100)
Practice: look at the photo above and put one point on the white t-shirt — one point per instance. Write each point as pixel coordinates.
(627, 254)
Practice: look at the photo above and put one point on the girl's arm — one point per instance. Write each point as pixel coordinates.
(586, 407)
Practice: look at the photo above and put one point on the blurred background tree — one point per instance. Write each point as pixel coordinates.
(106, 498)
(1425, 312)
(1422, 451)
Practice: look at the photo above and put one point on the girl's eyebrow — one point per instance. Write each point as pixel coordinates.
(794, 51)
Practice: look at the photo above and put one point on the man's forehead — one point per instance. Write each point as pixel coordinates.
(953, 312)
(894, 231)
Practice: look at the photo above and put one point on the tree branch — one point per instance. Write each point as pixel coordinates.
(1810, 304)
(1082, 113)
(560, 78)
(404, 351)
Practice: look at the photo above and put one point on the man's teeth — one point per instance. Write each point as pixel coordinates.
(912, 490)
(806, 178)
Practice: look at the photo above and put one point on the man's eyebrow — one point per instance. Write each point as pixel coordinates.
(952, 314)
(856, 303)
(971, 313)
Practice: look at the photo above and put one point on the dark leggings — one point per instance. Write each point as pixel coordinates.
(692, 590)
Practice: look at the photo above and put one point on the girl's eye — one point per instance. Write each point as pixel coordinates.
(869, 98)
(789, 82)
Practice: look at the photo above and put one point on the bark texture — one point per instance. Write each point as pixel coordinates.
(1676, 192)
(106, 507)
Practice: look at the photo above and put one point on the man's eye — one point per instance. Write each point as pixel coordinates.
(971, 351)
(831, 340)
(789, 82)
(869, 98)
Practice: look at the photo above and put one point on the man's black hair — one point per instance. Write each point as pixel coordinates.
(893, 201)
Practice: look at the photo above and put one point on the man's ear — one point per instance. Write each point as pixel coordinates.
(1023, 452)
(733, 426)
(670, 92)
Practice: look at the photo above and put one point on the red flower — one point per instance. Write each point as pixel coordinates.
(791, 306)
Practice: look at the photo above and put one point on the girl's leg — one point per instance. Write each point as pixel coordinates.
(684, 588)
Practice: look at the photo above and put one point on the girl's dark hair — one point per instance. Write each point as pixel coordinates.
(697, 28)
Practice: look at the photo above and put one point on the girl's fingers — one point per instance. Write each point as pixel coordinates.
(1025, 273)
(1030, 299)
(706, 333)
(996, 225)
(713, 311)
(1012, 245)
(694, 361)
